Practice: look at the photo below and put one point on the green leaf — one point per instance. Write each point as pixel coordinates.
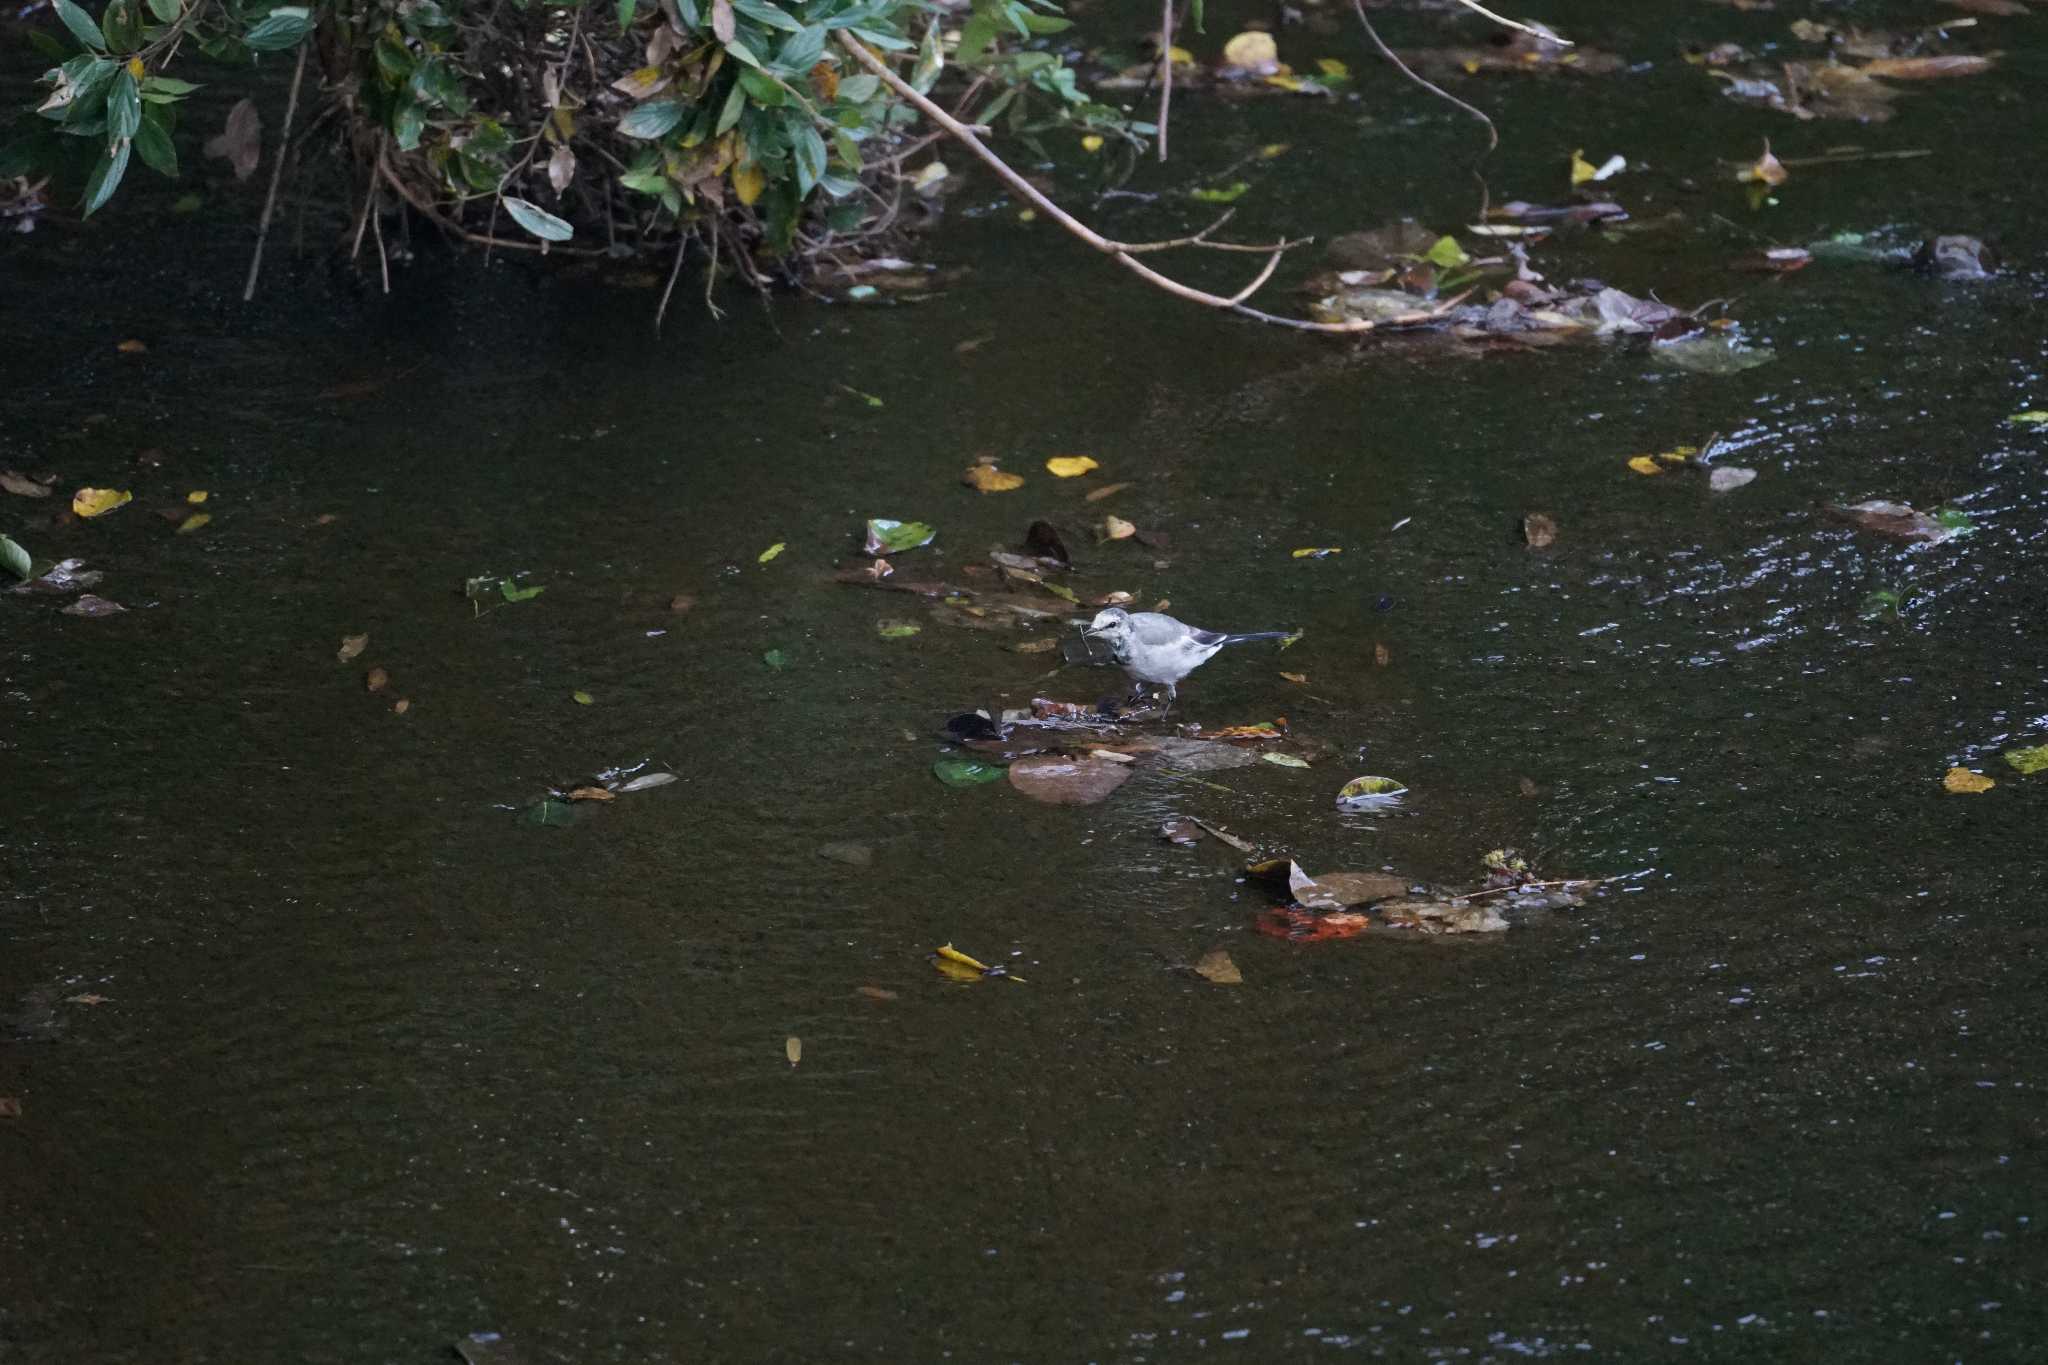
(894, 537)
(652, 119)
(99, 187)
(897, 630)
(408, 122)
(775, 658)
(1228, 194)
(1047, 23)
(801, 51)
(538, 221)
(278, 30)
(579, 696)
(167, 85)
(1446, 253)
(975, 36)
(153, 144)
(512, 594)
(15, 558)
(122, 26)
(740, 52)
(82, 25)
(888, 42)
(772, 15)
(165, 10)
(955, 771)
(930, 61)
(124, 106)
(809, 150)
(2026, 760)
(1953, 519)
(625, 15)
(762, 89)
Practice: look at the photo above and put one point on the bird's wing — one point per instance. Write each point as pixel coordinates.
(1156, 630)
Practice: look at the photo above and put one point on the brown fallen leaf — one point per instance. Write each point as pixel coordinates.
(1216, 966)
(986, 478)
(1186, 833)
(1538, 530)
(1107, 490)
(1301, 678)
(1034, 646)
(876, 992)
(240, 140)
(1116, 528)
(89, 998)
(1927, 68)
(1765, 170)
(89, 605)
(376, 680)
(21, 485)
(131, 346)
(1963, 782)
(1381, 655)
(351, 645)
(592, 794)
(1063, 781)
(1892, 519)
(1527, 786)
(401, 706)
(10, 1107)
(326, 519)
(682, 602)
(1342, 890)
(793, 1048)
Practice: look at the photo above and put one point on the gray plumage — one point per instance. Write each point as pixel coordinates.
(1155, 648)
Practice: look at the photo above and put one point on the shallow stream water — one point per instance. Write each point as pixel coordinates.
(378, 1064)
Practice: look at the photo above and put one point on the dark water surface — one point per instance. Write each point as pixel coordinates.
(380, 1065)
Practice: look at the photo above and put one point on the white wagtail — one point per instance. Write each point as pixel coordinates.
(1155, 648)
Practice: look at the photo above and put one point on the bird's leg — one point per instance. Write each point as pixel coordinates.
(1171, 694)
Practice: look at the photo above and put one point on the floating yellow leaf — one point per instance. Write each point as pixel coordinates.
(1273, 149)
(1070, 466)
(351, 645)
(1646, 464)
(1180, 56)
(1765, 170)
(988, 479)
(1216, 966)
(793, 1048)
(1582, 169)
(1296, 677)
(1964, 782)
(196, 496)
(194, 522)
(1333, 68)
(581, 698)
(1318, 551)
(773, 550)
(1092, 143)
(1116, 528)
(748, 181)
(2028, 760)
(1251, 48)
(952, 954)
(93, 502)
(1027, 215)
(593, 794)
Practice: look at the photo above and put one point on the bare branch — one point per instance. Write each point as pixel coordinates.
(1121, 252)
(1478, 8)
(1492, 133)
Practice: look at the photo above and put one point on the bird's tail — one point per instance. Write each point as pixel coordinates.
(1260, 635)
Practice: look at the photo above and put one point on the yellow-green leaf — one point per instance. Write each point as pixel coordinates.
(1070, 466)
(581, 698)
(2028, 760)
(94, 502)
(773, 550)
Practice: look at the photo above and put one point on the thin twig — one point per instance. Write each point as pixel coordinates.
(383, 261)
(284, 146)
(682, 245)
(1477, 8)
(1492, 133)
(1531, 886)
(1165, 70)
